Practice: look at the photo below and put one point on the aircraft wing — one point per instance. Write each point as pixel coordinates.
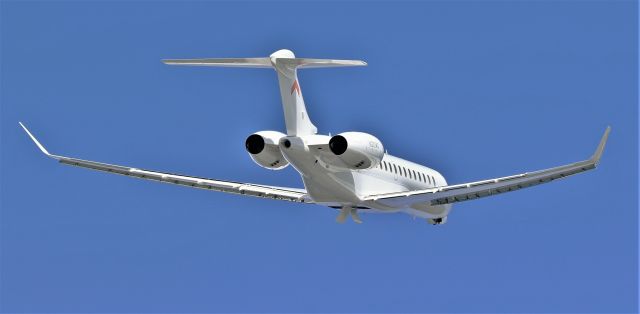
(265, 191)
(472, 190)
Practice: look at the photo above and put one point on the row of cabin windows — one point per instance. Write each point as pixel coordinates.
(408, 173)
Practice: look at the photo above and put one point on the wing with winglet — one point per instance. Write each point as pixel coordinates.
(264, 191)
(472, 190)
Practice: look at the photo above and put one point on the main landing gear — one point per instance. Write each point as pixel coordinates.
(344, 211)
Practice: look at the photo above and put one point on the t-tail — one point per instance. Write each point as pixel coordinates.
(286, 64)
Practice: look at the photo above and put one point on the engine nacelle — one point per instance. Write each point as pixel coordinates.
(264, 150)
(357, 150)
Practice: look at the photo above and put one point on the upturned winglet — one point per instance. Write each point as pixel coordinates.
(603, 141)
(44, 150)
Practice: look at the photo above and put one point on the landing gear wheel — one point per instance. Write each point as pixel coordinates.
(437, 221)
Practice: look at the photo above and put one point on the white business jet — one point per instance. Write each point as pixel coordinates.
(350, 171)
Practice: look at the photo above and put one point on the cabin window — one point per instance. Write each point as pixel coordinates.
(395, 169)
(414, 175)
(423, 178)
(404, 170)
(430, 180)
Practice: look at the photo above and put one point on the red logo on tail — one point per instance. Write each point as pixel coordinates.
(295, 87)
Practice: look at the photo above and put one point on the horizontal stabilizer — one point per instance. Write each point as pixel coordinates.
(265, 62)
(303, 63)
(223, 62)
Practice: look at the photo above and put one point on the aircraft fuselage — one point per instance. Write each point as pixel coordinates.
(336, 187)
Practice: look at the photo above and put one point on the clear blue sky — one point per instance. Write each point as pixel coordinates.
(473, 89)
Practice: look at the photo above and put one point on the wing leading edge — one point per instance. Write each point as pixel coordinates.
(472, 190)
(264, 191)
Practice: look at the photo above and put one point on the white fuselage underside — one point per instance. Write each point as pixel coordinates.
(336, 187)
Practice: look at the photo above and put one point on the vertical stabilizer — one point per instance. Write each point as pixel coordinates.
(295, 112)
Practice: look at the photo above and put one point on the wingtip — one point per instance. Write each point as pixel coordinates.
(603, 141)
(33, 138)
(173, 61)
(183, 61)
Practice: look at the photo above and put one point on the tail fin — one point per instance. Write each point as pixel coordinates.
(286, 64)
